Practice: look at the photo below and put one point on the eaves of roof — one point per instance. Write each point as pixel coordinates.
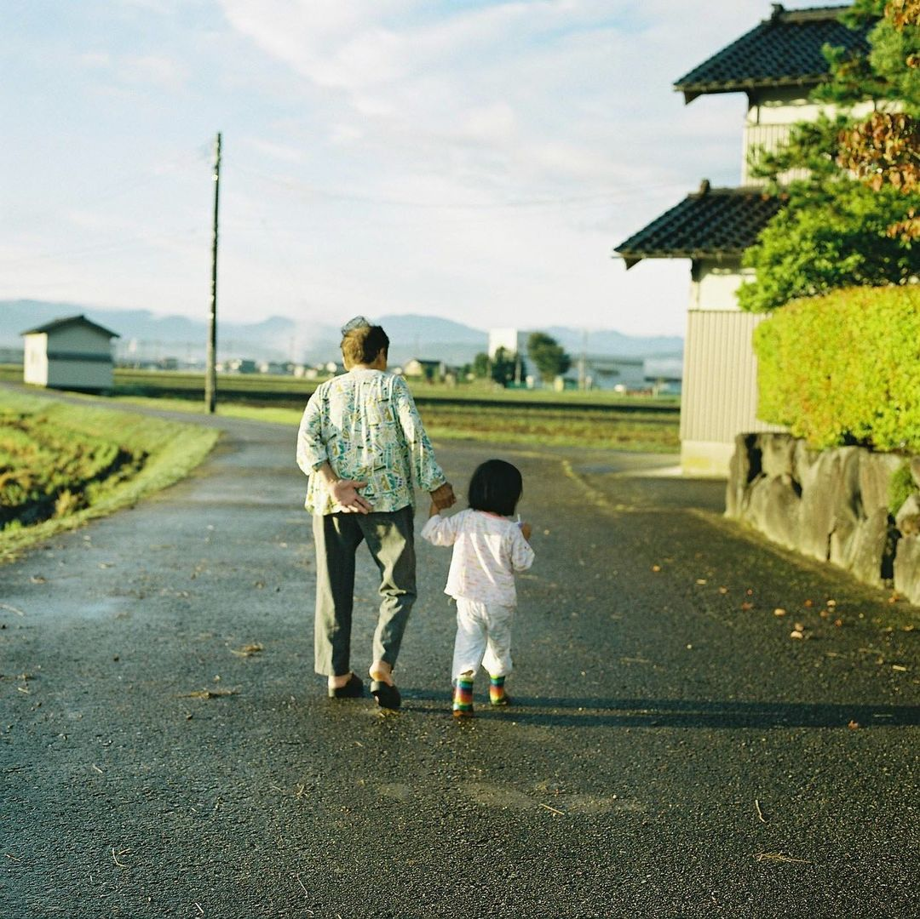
(61, 323)
(716, 223)
(784, 50)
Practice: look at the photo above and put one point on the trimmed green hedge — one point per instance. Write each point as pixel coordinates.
(844, 368)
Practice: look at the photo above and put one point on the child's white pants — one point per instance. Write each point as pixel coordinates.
(483, 637)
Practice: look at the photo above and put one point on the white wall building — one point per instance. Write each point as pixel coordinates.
(514, 341)
(69, 353)
(776, 65)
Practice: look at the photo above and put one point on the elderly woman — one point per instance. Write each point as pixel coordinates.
(363, 445)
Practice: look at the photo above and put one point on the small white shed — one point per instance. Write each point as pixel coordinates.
(69, 353)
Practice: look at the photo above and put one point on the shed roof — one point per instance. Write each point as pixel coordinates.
(784, 50)
(63, 322)
(710, 223)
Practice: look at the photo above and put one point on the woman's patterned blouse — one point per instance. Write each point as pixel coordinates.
(366, 425)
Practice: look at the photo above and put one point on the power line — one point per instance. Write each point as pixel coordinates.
(563, 201)
(119, 188)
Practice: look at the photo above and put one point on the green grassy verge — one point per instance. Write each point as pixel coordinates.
(62, 465)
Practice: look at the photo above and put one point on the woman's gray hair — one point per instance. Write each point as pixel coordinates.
(359, 322)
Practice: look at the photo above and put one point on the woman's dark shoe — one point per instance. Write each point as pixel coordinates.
(387, 696)
(353, 689)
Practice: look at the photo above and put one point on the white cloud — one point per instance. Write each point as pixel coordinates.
(472, 160)
(284, 152)
(153, 70)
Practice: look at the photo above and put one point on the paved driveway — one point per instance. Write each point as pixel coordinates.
(673, 751)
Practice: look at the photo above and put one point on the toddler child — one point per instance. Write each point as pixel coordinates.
(488, 549)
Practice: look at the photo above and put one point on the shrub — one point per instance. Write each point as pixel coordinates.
(845, 368)
(900, 487)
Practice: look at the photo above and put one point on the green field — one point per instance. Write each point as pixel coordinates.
(267, 389)
(474, 411)
(597, 428)
(61, 464)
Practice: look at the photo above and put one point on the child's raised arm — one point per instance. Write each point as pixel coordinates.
(439, 531)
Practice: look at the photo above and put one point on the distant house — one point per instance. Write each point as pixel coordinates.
(420, 369)
(602, 372)
(664, 375)
(239, 365)
(776, 65)
(69, 353)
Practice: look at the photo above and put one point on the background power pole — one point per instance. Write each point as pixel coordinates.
(210, 375)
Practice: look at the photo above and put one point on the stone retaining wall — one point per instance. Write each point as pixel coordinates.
(831, 505)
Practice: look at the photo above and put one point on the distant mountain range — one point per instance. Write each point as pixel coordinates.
(151, 337)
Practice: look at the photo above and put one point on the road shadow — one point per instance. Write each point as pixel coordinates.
(679, 713)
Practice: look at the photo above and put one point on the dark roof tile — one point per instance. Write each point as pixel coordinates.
(56, 324)
(711, 223)
(783, 50)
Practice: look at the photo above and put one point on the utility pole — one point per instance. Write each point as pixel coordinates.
(210, 374)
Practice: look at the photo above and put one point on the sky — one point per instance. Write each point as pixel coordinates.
(476, 160)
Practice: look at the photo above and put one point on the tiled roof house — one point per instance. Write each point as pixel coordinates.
(776, 64)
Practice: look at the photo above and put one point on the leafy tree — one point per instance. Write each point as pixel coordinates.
(548, 356)
(841, 242)
(884, 149)
(480, 366)
(504, 366)
(853, 220)
(501, 369)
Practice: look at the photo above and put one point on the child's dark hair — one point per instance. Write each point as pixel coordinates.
(496, 486)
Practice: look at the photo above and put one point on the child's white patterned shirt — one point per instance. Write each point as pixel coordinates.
(487, 551)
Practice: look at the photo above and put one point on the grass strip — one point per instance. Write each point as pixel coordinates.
(79, 462)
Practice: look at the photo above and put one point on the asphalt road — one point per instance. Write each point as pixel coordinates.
(673, 751)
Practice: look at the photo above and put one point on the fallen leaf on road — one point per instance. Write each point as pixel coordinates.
(37, 579)
(248, 650)
(209, 693)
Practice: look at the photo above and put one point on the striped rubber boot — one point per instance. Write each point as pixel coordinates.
(497, 695)
(463, 696)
